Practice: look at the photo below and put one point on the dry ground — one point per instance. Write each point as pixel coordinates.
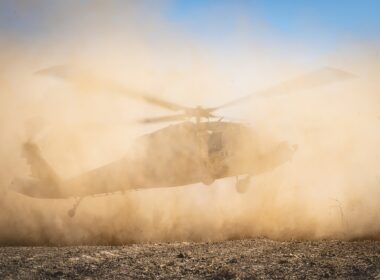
(239, 259)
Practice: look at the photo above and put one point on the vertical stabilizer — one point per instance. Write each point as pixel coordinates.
(40, 168)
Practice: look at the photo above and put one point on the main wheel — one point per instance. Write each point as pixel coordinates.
(207, 179)
(71, 213)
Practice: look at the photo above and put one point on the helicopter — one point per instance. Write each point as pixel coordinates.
(200, 148)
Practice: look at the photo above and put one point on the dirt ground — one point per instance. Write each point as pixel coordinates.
(238, 259)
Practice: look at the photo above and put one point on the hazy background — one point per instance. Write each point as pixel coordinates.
(193, 52)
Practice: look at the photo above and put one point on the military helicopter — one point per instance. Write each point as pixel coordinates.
(201, 148)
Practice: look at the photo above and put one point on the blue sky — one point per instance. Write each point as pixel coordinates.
(319, 20)
(323, 22)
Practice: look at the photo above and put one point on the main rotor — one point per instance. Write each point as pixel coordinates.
(321, 77)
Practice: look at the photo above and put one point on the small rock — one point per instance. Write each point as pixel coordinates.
(233, 260)
(181, 255)
(58, 274)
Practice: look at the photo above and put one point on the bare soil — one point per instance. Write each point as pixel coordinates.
(238, 259)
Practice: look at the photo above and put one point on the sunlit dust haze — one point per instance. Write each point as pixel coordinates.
(330, 189)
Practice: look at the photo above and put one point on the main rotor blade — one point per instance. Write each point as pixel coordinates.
(170, 118)
(92, 82)
(308, 81)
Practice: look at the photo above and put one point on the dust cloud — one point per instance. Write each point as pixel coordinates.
(330, 190)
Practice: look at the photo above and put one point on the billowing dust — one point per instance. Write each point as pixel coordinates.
(329, 190)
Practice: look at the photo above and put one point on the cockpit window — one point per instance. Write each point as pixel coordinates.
(215, 142)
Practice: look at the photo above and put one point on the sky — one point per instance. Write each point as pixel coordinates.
(323, 22)
(304, 32)
(293, 18)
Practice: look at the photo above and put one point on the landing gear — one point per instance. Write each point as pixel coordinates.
(73, 210)
(207, 178)
(206, 174)
(242, 184)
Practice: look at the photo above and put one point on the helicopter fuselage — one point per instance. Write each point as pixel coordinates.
(177, 155)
